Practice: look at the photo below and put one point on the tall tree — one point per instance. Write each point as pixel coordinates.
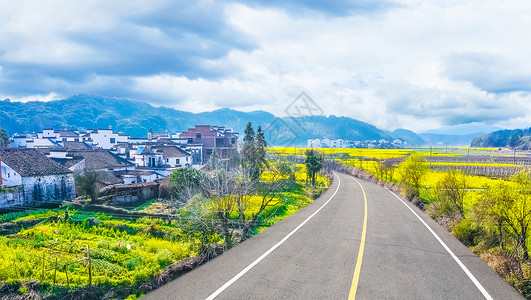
(314, 163)
(508, 208)
(248, 139)
(490, 211)
(249, 153)
(86, 184)
(261, 151)
(450, 193)
(413, 169)
(4, 139)
(185, 183)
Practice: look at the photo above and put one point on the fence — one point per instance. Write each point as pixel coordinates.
(55, 266)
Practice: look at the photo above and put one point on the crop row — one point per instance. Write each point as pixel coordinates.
(122, 251)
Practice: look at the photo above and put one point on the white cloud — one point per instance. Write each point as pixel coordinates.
(388, 70)
(44, 98)
(410, 66)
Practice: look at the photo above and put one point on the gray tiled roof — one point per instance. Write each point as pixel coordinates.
(133, 172)
(66, 133)
(76, 146)
(30, 162)
(172, 151)
(108, 178)
(101, 159)
(65, 162)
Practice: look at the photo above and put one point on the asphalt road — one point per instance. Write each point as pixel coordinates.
(401, 257)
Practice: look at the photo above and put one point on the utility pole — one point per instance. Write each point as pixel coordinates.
(430, 156)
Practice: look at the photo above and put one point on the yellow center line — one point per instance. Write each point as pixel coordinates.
(356, 279)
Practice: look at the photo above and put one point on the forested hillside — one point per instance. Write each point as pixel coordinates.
(517, 138)
(84, 111)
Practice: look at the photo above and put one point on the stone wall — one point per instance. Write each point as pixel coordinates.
(51, 188)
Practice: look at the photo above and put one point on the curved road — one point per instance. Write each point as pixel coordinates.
(315, 253)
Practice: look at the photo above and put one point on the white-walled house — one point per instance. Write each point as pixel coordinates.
(48, 138)
(147, 157)
(34, 178)
(137, 176)
(314, 143)
(160, 156)
(175, 156)
(106, 138)
(196, 150)
(19, 140)
(328, 143)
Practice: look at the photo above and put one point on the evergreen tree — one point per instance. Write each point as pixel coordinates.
(4, 139)
(261, 152)
(248, 139)
(249, 153)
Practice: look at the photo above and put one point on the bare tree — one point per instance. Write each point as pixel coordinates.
(450, 193)
(510, 209)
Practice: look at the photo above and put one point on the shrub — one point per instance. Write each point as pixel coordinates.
(132, 263)
(164, 258)
(408, 191)
(466, 232)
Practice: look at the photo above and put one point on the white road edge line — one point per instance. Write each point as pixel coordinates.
(254, 263)
(468, 273)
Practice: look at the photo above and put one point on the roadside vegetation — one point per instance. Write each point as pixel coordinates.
(95, 251)
(490, 213)
(481, 195)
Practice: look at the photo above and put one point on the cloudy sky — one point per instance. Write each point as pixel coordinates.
(396, 64)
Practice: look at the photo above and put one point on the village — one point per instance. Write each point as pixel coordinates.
(43, 167)
(370, 144)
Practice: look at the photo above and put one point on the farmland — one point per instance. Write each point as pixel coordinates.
(55, 253)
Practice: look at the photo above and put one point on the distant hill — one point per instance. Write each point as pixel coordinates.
(447, 139)
(409, 136)
(461, 129)
(137, 118)
(517, 138)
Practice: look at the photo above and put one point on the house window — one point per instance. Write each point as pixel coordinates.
(198, 135)
(190, 140)
(8, 175)
(113, 140)
(167, 160)
(178, 161)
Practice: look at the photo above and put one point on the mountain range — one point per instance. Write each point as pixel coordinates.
(134, 118)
